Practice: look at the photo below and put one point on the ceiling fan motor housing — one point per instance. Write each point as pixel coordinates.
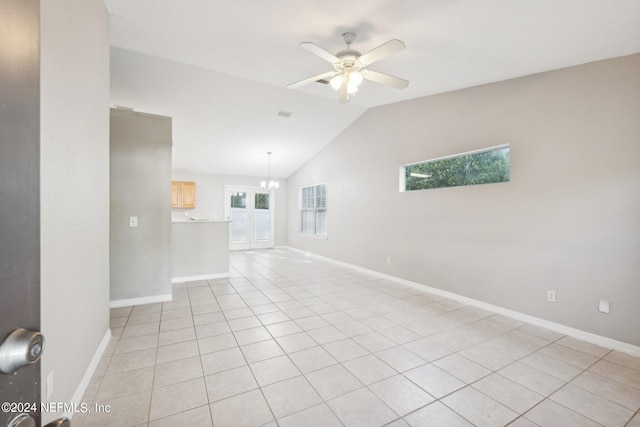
(348, 55)
(348, 61)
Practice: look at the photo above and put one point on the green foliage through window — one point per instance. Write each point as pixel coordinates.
(239, 200)
(481, 167)
(262, 200)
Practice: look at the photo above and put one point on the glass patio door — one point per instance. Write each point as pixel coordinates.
(250, 211)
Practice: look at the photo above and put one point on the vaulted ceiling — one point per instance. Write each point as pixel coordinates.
(221, 68)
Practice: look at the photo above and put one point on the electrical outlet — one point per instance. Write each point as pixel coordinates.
(604, 306)
(551, 296)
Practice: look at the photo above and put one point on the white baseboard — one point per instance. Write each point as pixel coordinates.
(624, 347)
(76, 400)
(200, 277)
(140, 301)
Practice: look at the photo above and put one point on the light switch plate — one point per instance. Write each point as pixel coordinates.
(133, 221)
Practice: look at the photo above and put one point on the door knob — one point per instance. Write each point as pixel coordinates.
(60, 422)
(22, 420)
(26, 420)
(20, 348)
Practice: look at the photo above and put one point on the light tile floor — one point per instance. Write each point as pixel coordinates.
(292, 341)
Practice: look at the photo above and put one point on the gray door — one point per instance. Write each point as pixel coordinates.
(19, 192)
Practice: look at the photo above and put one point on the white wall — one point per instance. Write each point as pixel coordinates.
(210, 199)
(74, 190)
(568, 221)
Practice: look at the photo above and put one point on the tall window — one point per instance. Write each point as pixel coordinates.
(312, 203)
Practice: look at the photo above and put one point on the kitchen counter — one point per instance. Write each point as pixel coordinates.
(199, 250)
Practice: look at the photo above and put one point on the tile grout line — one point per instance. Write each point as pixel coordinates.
(304, 288)
(301, 374)
(246, 361)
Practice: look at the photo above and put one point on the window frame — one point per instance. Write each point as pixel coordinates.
(403, 169)
(314, 210)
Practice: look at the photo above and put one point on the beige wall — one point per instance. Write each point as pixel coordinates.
(74, 191)
(568, 221)
(140, 172)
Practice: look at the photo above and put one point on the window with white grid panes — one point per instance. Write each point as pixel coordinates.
(312, 203)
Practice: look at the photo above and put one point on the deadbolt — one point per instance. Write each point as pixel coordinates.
(21, 348)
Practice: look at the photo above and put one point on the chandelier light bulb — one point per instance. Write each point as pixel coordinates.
(269, 184)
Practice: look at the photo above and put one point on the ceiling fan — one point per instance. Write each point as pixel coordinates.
(350, 67)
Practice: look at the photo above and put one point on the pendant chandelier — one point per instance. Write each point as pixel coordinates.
(269, 184)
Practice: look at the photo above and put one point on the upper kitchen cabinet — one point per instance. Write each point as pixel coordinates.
(183, 194)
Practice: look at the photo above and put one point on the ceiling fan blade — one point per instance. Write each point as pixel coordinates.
(384, 79)
(382, 51)
(317, 50)
(322, 76)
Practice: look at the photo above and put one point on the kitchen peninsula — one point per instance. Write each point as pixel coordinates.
(199, 250)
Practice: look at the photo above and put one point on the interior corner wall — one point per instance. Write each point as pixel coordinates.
(140, 187)
(568, 221)
(74, 190)
(210, 199)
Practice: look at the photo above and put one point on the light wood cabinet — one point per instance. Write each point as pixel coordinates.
(175, 194)
(183, 194)
(188, 194)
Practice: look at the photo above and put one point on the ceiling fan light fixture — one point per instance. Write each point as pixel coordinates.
(336, 82)
(351, 65)
(355, 78)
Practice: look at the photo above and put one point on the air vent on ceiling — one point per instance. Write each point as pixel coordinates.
(282, 113)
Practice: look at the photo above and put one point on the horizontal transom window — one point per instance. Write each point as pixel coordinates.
(484, 166)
